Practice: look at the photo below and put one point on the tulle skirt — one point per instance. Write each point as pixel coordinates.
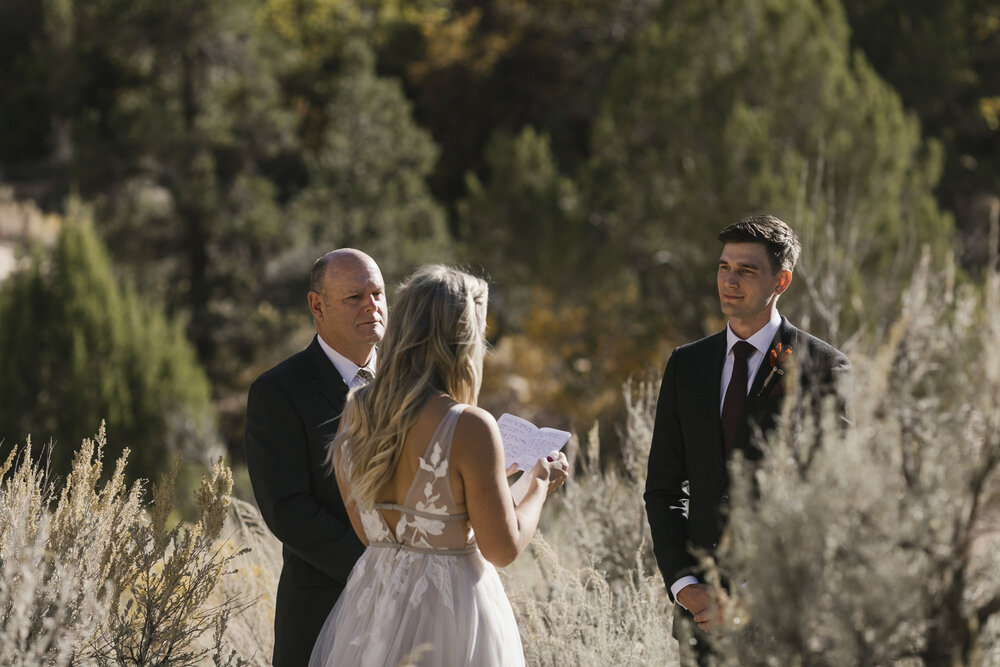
(413, 608)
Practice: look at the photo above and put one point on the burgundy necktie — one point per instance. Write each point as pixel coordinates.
(736, 394)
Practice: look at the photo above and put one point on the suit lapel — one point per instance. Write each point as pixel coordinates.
(712, 391)
(761, 400)
(715, 375)
(327, 379)
(754, 398)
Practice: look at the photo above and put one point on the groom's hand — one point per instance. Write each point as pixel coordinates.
(700, 600)
(695, 598)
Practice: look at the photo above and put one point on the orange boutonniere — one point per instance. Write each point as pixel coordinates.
(777, 356)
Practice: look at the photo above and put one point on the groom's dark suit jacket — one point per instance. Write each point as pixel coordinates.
(292, 415)
(687, 439)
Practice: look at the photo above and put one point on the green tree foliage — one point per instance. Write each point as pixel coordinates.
(719, 110)
(526, 224)
(944, 59)
(191, 126)
(78, 349)
(727, 108)
(367, 185)
(193, 123)
(226, 143)
(308, 37)
(22, 76)
(477, 68)
(167, 117)
(561, 334)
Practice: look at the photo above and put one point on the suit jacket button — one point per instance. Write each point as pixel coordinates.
(715, 545)
(725, 497)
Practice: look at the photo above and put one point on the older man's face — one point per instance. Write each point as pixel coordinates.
(351, 313)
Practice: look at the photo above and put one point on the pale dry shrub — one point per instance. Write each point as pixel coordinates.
(257, 566)
(598, 598)
(578, 617)
(89, 579)
(57, 561)
(875, 544)
(599, 519)
(160, 613)
(43, 611)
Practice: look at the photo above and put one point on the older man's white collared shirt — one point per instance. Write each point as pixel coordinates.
(347, 368)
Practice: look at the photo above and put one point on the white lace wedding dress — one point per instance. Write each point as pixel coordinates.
(424, 596)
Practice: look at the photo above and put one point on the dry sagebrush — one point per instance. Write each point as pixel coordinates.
(47, 602)
(599, 599)
(877, 544)
(257, 566)
(600, 519)
(88, 579)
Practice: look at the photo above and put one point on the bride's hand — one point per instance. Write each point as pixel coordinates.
(552, 469)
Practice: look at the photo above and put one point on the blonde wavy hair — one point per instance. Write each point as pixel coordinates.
(435, 343)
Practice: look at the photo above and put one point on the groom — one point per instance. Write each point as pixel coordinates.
(292, 415)
(716, 395)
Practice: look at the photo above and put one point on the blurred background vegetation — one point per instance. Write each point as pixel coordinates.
(169, 170)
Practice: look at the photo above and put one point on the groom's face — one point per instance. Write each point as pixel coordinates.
(748, 285)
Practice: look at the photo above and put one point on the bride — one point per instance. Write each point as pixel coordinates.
(421, 470)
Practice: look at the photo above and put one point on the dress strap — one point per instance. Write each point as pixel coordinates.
(436, 454)
(445, 431)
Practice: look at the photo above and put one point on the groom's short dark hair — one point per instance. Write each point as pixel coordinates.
(782, 244)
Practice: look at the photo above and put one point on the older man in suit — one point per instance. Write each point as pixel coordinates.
(293, 411)
(716, 395)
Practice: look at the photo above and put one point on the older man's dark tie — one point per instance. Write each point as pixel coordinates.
(366, 375)
(736, 395)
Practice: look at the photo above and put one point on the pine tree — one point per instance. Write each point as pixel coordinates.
(367, 184)
(525, 225)
(78, 349)
(726, 108)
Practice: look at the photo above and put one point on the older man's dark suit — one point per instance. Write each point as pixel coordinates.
(292, 415)
(687, 439)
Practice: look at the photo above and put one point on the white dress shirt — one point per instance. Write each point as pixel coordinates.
(761, 341)
(347, 368)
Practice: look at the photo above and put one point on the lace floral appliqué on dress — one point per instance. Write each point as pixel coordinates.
(426, 586)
